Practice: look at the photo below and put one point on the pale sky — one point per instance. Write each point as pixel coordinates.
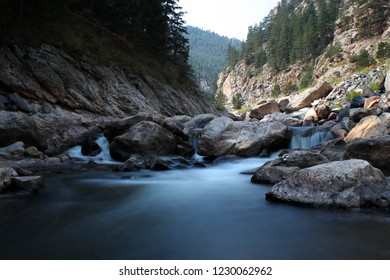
(230, 18)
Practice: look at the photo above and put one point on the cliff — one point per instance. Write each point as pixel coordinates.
(52, 100)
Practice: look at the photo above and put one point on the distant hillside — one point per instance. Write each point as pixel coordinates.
(302, 42)
(208, 55)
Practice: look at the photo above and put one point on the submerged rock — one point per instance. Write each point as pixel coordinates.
(32, 184)
(335, 184)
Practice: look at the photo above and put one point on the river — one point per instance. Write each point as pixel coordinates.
(199, 213)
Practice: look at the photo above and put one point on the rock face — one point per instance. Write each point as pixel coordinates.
(223, 136)
(52, 101)
(146, 138)
(304, 99)
(374, 150)
(352, 183)
(368, 127)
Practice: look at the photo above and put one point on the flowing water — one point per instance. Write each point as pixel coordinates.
(205, 213)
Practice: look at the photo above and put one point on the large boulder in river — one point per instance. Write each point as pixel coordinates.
(147, 138)
(286, 165)
(351, 183)
(264, 108)
(304, 99)
(223, 136)
(368, 127)
(374, 150)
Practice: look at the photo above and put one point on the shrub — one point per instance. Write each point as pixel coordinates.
(363, 59)
(237, 101)
(305, 81)
(276, 91)
(333, 51)
(383, 51)
(290, 88)
(220, 101)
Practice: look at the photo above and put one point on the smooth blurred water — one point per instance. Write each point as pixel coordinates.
(103, 157)
(212, 213)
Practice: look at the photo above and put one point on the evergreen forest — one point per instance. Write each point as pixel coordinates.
(208, 54)
(299, 31)
(144, 37)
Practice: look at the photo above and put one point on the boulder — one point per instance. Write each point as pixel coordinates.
(90, 148)
(371, 101)
(361, 113)
(387, 82)
(31, 184)
(33, 152)
(374, 150)
(299, 158)
(16, 149)
(265, 108)
(145, 138)
(197, 122)
(283, 118)
(283, 103)
(273, 174)
(305, 98)
(6, 174)
(333, 149)
(334, 184)
(368, 127)
(310, 117)
(385, 119)
(180, 121)
(223, 136)
(358, 102)
(323, 111)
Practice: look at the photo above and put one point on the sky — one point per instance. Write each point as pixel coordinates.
(230, 18)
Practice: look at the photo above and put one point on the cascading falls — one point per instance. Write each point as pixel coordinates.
(102, 157)
(306, 137)
(194, 136)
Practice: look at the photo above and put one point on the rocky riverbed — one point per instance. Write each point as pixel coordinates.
(348, 170)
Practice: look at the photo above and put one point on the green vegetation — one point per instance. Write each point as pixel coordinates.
(237, 101)
(373, 15)
(362, 60)
(208, 54)
(219, 100)
(353, 94)
(383, 51)
(143, 37)
(333, 51)
(288, 37)
(276, 91)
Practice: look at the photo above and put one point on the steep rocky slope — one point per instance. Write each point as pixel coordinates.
(52, 100)
(254, 85)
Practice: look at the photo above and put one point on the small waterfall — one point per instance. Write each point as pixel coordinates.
(103, 157)
(194, 136)
(306, 137)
